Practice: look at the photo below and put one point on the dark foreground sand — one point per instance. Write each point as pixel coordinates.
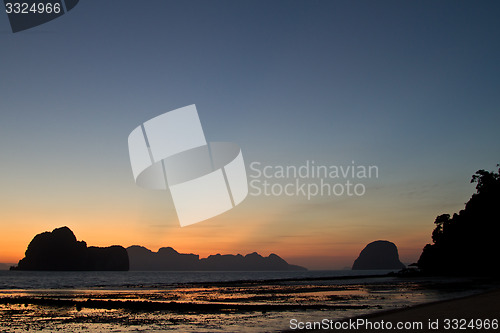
(475, 308)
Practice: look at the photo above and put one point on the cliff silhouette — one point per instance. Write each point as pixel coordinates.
(167, 259)
(467, 243)
(380, 254)
(59, 250)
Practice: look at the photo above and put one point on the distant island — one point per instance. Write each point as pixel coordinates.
(168, 259)
(380, 254)
(59, 250)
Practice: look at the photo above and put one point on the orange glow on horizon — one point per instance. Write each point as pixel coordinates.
(323, 235)
(315, 250)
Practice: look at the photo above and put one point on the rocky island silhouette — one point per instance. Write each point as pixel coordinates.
(380, 254)
(59, 250)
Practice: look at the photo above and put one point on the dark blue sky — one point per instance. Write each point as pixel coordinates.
(411, 86)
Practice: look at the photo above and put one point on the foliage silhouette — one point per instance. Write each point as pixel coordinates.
(467, 242)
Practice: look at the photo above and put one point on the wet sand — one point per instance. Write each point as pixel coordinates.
(478, 308)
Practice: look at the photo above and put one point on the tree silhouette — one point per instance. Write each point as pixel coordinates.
(467, 243)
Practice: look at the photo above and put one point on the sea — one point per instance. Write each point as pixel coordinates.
(153, 279)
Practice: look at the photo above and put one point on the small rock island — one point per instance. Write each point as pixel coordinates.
(380, 254)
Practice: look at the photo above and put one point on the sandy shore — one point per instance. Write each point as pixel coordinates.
(482, 306)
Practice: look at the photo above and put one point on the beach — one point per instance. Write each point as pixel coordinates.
(463, 314)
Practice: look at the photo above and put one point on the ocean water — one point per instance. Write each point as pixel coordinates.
(150, 280)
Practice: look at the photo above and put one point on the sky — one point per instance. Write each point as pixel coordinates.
(411, 87)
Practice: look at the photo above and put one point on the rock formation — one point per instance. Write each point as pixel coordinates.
(59, 250)
(378, 255)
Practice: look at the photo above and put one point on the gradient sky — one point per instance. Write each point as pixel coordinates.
(410, 86)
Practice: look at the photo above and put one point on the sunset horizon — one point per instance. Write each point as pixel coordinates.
(323, 256)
